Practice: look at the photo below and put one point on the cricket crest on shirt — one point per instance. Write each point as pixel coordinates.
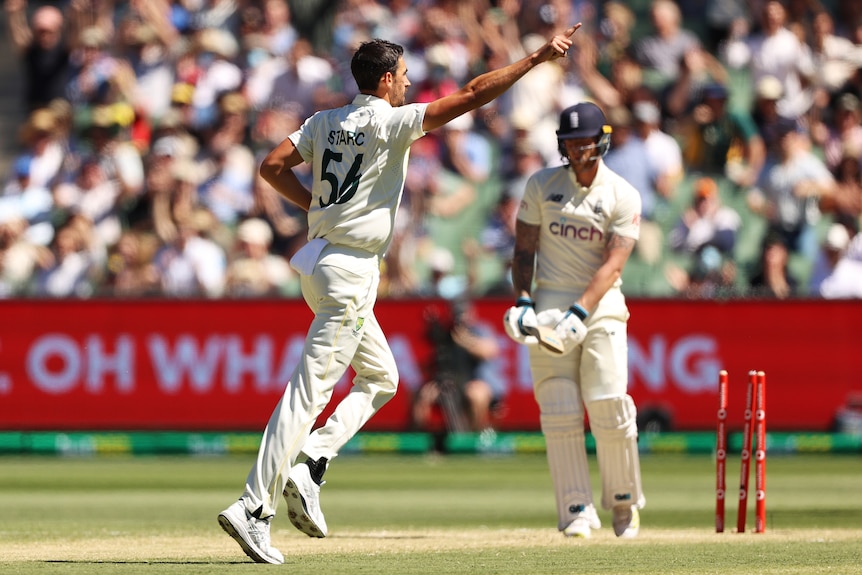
(357, 327)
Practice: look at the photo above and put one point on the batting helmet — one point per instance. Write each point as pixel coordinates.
(584, 120)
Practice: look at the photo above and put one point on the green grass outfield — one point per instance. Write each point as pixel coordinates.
(414, 514)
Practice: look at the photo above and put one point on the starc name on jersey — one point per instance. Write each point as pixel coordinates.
(337, 137)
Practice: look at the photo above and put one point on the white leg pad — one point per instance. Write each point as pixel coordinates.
(612, 422)
(562, 420)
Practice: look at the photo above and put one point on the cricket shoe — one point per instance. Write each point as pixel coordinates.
(586, 519)
(302, 493)
(251, 533)
(627, 521)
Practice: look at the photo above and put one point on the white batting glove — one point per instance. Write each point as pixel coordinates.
(550, 317)
(571, 328)
(519, 316)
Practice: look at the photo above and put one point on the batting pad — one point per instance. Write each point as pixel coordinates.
(562, 420)
(612, 422)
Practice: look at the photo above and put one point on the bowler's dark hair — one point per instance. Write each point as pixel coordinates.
(373, 59)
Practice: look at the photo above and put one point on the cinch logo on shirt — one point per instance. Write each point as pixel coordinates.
(556, 198)
(566, 230)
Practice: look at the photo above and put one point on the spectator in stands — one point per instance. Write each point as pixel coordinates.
(438, 80)
(764, 111)
(661, 51)
(845, 131)
(19, 258)
(74, 265)
(42, 143)
(216, 50)
(192, 265)
(706, 232)
(718, 140)
(706, 222)
(663, 151)
(845, 281)
(228, 162)
(44, 52)
(98, 77)
(288, 224)
(452, 208)
(442, 281)
(277, 29)
(721, 17)
(131, 272)
(789, 189)
(303, 81)
(467, 152)
(698, 71)
(150, 60)
(774, 50)
(628, 156)
(254, 271)
(216, 14)
(94, 196)
(772, 277)
(836, 58)
(611, 90)
(709, 275)
(106, 135)
(832, 248)
(496, 240)
(614, 32)
(34, 205)
(844, 201)
(170, 186)
(460, 382)
(525, 161)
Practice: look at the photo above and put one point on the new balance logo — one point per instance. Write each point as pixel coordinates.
(622, 497)
(556, 198)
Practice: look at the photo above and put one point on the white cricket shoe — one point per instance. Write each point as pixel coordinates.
(584, 522)
(251, 533)
(627, 521)
(303, 502)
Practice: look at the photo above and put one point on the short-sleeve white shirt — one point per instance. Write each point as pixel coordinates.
(575, 223)
(358, 154)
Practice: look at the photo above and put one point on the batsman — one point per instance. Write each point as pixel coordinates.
(575, 230)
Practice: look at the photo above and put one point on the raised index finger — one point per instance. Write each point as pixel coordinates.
(572, 30)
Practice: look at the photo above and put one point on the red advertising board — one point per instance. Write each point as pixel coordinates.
(222, 365)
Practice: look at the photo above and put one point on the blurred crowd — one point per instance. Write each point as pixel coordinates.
(144, 122)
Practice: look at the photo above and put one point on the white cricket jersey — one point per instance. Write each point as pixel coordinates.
(359, 158)
(575, 223)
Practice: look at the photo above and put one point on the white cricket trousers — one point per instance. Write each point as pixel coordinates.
(341, 291)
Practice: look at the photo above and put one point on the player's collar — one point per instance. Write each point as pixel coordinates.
(370, 100)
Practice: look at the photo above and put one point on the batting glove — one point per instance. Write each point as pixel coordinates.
(550, 317)
(518, 317)
(571, 328)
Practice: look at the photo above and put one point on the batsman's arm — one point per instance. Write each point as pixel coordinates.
(616, 254)
(488, 86)
(524, 258)
(277, 169)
